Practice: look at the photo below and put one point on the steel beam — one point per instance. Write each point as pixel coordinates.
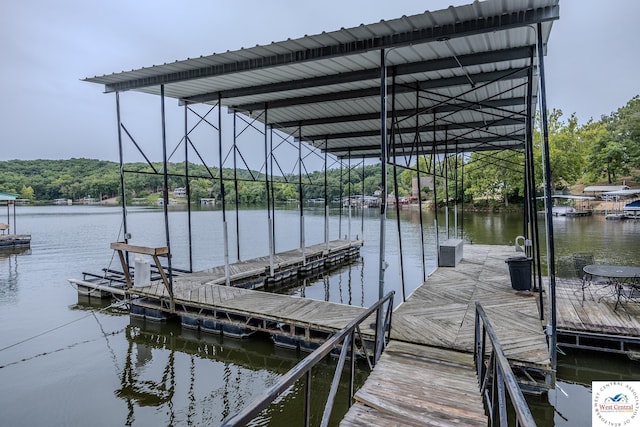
(445, 108)
(368, 74)
(479, 25)
(373, 91)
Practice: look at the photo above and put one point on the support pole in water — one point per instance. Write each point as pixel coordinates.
(301, 196)
(165, 196)
(326, 199)
(187, 183)
(553, 339)
(123, 197)
(225, 232)
(235, 185)
(268, 192)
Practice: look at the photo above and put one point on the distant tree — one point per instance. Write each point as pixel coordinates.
(27, 193)
(566, 153)
(629, 128)
(495, 175)
(201, 188)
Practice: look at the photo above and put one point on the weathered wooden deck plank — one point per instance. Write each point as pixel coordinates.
(442, 311)
(594, 314)
(426, 374)
(415, 385)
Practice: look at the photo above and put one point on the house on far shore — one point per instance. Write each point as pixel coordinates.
(89, 201)
(597, 190)
(179, 193)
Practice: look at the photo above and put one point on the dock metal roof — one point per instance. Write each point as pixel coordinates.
(456, 79)
(8, 196)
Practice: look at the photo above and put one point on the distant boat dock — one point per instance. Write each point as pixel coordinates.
(9, 239)
(14, 241)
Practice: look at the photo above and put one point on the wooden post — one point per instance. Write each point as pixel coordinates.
(122, 247)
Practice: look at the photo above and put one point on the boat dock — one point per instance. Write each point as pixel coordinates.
(440, 313)
(204, 301)
(418, 385)
(256, 273)
(14, 241)
(594, 323)
(426, 375)
(432, 333)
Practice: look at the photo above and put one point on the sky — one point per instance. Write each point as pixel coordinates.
(48, 47)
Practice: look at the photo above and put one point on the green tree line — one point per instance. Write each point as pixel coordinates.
(603, 151)
(47, 180)
(596, 151)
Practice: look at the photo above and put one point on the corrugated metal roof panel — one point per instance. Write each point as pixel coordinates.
(460, 56)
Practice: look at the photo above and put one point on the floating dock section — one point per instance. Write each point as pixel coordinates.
(594, 323)
(431, 339)
(204, 301)
(426, 375)
(441, 313)
(15, 241)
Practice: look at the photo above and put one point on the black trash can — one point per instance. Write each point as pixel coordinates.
(520, 272)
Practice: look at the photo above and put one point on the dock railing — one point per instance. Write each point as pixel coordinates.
(495, 375)
(345, 337)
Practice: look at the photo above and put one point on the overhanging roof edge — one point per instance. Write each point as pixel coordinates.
(512, 19)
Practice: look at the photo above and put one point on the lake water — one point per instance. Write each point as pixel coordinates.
(70, 362)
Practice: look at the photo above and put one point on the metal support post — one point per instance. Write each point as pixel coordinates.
(417, 141)
(383, 167)
(188, 183)
(395, 183)
(165, 195)
(532, 196)
(340, 205)
(326, 199)
(225, 231)
(268, 192)
(235, 185)
(301, 196)
(553, 339)
(435, 184)
(123, 194)
(362, 210)
(349, 194)
(446, 185)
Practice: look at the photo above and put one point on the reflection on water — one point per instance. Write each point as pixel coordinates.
(98, 366)
(9, 261)
(199, 379)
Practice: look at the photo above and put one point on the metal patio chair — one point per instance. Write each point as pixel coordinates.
(580, 260)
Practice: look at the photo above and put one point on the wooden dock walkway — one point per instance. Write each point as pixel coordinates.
(426, 374)
(417, 385)
(203, 300)
(252, 274)
(285, 264)
(255, 310)
(14, 241)
(594, 323)
(441, 312)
